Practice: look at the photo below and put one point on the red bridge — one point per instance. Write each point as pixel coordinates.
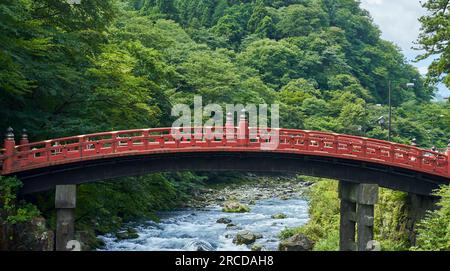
(87, 158)
(360, 164)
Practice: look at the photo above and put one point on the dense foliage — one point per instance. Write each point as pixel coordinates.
(434, 230)
(13, 212)
(121, 64)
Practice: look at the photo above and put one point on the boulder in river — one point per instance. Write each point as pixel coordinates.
(235, 207)
(245, 238)
(279, 216)
(257, 247)
(232, 226)
(129, 233)
(298, 242)
(224, 220)
(198, 245)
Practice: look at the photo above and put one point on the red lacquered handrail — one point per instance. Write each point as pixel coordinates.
(26, 156)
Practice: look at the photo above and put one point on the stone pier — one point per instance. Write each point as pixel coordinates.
(65, 203)
(357, 215)
(347, 230)
(417, 207)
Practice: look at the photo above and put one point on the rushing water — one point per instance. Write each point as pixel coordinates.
(184, 229)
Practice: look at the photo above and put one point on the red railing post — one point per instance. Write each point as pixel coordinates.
(24, 140)
(114, 142)
(10, 146)
(24, 147)
(229, 128)
(243, 134)
(364, 148)
(145, 136)
(81, 145)
(48, 151)
(448, 158)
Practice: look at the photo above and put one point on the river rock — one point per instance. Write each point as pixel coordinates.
(233, 227)
(235, 207)
(257, 247)
(245, 238)
(129, 233)
(223, 220)
(298, 242)
(198, 245)
(306, 184)
(279, 216)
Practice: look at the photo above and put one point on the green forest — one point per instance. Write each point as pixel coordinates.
(68, 69)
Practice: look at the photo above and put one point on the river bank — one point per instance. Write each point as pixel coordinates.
(251, 190)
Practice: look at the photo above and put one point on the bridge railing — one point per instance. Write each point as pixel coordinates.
(93, 146)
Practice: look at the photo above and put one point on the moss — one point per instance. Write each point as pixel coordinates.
(235, 207)
(279, 216)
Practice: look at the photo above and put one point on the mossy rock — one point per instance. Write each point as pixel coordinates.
(129, 233)
(298, 242)
(257, 247)
(235, 207)
(279, 216)
(245, 238)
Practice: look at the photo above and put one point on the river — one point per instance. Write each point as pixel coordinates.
(185, 229)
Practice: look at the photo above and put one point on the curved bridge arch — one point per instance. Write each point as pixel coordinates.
(96, 157)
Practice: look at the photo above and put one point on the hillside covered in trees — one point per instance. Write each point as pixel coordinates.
(68, 69)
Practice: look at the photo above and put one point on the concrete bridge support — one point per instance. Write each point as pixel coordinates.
(357, 215)
(65, 203)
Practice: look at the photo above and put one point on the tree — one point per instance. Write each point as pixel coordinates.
(276, 61)
(299, 20)
(259, 13)
(166, 7)
(210, 74)
(229, 27)
(291, 98)
(435, 40)
(19, 40)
